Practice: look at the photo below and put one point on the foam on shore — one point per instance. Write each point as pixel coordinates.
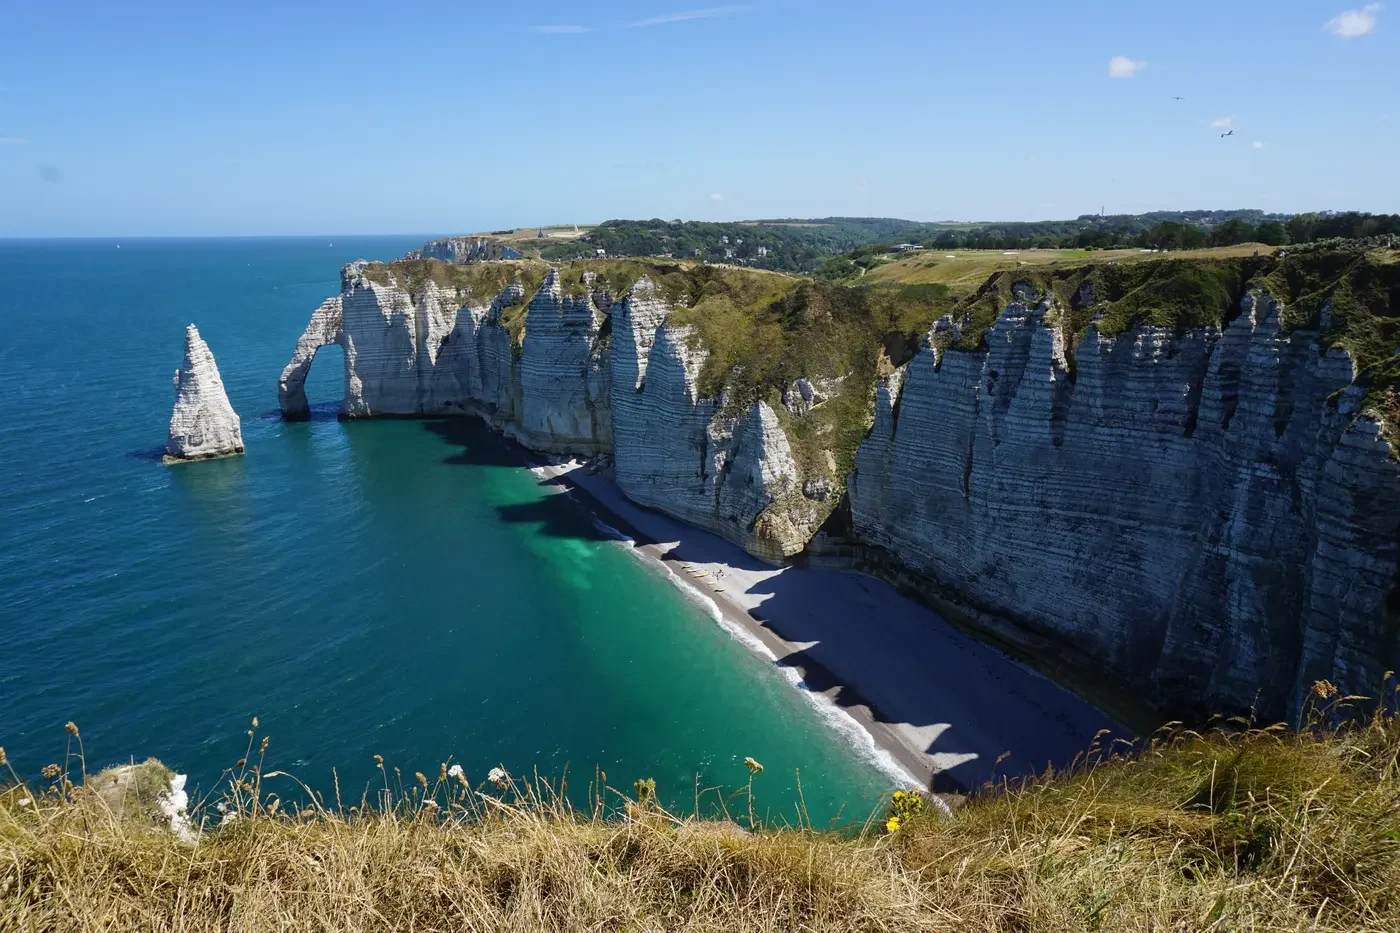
(856, 735)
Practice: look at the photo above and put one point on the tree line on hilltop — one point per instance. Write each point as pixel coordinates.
(832, 246)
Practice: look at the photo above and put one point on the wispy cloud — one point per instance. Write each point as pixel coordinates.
(12, 140)
(1223, 123)
(1257, 145)
(707, 13)
(1121, 66)
(558, 29)
(1349, 24)
(716, 197)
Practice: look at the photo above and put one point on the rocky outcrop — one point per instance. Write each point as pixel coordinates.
(564, 373)
(323, 330)
(730, 472)
(1203, 513)
(1200, 514)
(590, 376)
(203, 424)
(438, 351)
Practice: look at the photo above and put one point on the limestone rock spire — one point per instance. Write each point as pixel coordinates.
(203, 424)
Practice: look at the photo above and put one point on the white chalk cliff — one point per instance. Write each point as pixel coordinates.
(203, 424)
(1199, 514)
(1205, 516)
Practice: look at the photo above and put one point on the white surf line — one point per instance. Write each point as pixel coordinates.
(856, 735)
(850, 728)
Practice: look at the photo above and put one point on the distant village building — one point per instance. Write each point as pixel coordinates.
(724, 240)
(762, 251)
(697, 253)
(729, 254)
(904, 247)
(601, 253)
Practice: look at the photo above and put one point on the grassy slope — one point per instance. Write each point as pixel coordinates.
(1262, 830)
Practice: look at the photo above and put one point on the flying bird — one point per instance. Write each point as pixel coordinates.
(1178, 98)
(1231, 133)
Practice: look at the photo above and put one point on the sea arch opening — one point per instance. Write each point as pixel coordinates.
(323, 331)
(324, 382)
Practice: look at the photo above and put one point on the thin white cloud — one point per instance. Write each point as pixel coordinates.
(1121, 66)
(1349, 24)
(1257, 145)
(558, 29)
(716, 197)
(706, 13)
(12, 140)
(1223, 123)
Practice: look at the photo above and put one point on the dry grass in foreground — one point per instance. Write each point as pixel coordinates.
(1232, 830)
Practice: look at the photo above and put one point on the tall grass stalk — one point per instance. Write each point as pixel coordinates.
(1232, 828)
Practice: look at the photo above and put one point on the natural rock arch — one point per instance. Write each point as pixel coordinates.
(323, 329)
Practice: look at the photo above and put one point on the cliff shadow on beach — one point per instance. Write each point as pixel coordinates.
(973, 713)
(474, 444)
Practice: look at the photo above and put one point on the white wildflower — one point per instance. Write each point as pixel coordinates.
(455, 771)
(497, 776)
(25, 801)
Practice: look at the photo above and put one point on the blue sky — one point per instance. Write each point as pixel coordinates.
(147, 118)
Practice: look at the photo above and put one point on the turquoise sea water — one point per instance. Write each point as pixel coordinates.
(402, 588)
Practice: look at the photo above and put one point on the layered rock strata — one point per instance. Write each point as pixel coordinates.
(1200, 514)
(590, 376)
(685, 455)
(1204, 515)
(203, 424)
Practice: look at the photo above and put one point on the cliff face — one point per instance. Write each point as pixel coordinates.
(1203, 512)
(590, 376)
(434, 351)
(203, 424)
(564, 373)
(1194, 512)
(683, 454)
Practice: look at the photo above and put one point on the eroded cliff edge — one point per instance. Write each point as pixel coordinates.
(1183, 478)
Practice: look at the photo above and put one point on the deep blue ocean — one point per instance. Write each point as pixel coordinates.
(400, 588)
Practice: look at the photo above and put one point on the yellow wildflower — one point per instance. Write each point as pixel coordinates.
(892, 824)
(899, 795)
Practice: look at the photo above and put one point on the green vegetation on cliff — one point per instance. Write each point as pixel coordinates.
(763, 331)
(1227, 830)
(478, 283)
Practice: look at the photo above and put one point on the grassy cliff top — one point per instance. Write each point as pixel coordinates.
(480, 282)
(1359, 289)
(1259, 830)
